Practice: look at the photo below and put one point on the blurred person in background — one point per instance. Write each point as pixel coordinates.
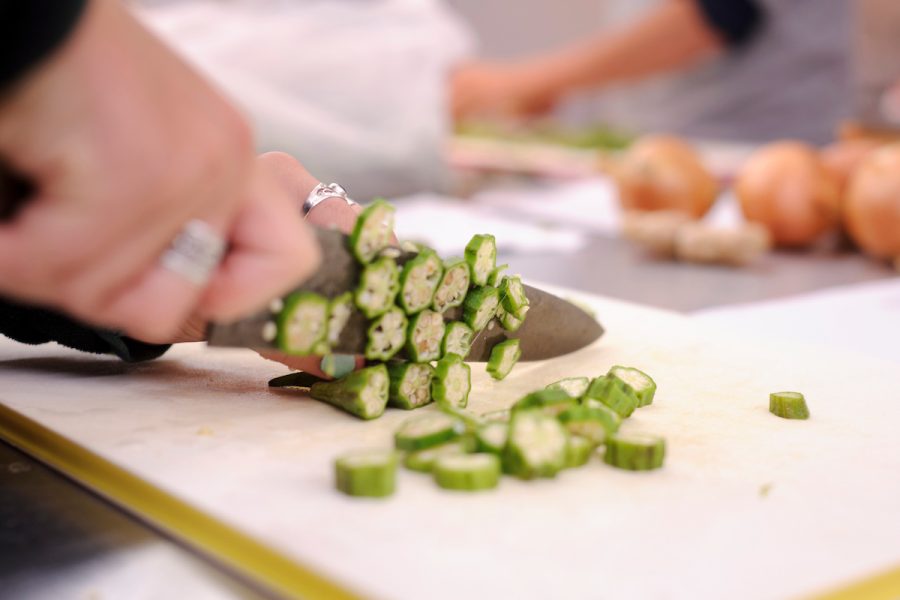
(356, 90)
(747, 70)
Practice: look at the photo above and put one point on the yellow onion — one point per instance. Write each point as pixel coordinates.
(785, 187)
(664, 173)
(872, 205)
(842, 158)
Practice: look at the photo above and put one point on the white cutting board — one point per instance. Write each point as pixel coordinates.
(201, 424)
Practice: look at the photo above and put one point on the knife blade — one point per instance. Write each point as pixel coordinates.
(553, 326)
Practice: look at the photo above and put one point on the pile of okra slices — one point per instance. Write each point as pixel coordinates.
(415, 352)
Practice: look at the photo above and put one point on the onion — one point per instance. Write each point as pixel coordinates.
(785, 187)
(842, 158)
(664, 173)
(872, 205)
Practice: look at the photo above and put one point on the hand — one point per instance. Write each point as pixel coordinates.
(125, 147)
(501, 90)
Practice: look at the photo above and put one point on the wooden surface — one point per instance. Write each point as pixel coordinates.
(747, 506)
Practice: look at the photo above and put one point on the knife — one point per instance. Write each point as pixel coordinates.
(553, 326)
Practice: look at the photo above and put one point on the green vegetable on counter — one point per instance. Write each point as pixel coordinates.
(467, 472)
(378, 286)
(410, 385)
(368, 473)
(387, 335)
(504, 357)
(480, 307)
(363, 393)
(452, 381)
(373, 231)
(458, 338)
(537, 445)
(643, 385)
(426, 332)
(418, 281)
(453, 285)
(575, 387)
(426, 431)
(302, 323)
(635, 452)
(788, 405)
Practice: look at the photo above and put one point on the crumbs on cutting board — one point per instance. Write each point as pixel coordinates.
(206, 431)
(764, 490)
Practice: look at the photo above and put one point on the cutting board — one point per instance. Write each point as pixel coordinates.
(748, 505)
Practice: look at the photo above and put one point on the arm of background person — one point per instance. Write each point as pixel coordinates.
(671, 36)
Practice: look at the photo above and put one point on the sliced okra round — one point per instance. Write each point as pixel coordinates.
(387, 335)
(642, 384)
(372, 231)
(410, 384)
(575, 387)
(418, 282)
(426, 332)
(467, 472)
(492, 437)
(302, 323)
(549, 402)
(579, 451)
(508, 321)
(788, 405)
(594, 424)
(458, 338)
(368, 473)
(496, 276)
(513, 298)
(452, 381)
(504, 357)
(423, 460)
(480, 307)
(453, 285)
(339, 311)
(378, 286)
(426, 431)
(635, 452)
(614, 393)
(536, 446)
(481, 254)
(362, 393)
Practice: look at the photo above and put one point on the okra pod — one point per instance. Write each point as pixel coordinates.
(594, 424)
(642, 384)
(453, 286)
(508, 321)
(481, 254)
(536, 446)
(504, 357)
(614, 393)
(302, 323)
(410, 384)
(467, 472)
(426, 332)
(339, 311)
(491, 437)
(363, 393)
(635, 452)
(372, 231)
(378, 286)
(426, 431)
(418, 282)
(788, 405)
(579, 451)
(423, 460)
(452, 381)
(496, 276)
(458, 339)
(549, 402)
(387, 335)
(513, 298)
(575, 387)
(368, 473)
(480, 307)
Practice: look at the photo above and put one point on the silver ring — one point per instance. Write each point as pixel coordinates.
(322, 192)
(195, 252)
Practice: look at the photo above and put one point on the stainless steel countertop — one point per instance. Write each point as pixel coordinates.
(55, 536)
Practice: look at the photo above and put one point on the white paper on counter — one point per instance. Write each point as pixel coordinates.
(862, 318)
(447, 224)
(747, 506)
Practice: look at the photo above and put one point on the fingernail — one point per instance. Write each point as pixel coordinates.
(338, 365)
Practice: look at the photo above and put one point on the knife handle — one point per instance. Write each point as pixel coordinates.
(14, 192)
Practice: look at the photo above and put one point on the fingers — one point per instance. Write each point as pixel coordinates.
(272, 252)
(308, 364)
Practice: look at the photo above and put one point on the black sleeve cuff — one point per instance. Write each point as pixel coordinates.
(735, 20)
(30, 30)
(31, 325)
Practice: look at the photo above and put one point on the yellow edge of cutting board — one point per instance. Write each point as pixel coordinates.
(233, 548)
(209, 535)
